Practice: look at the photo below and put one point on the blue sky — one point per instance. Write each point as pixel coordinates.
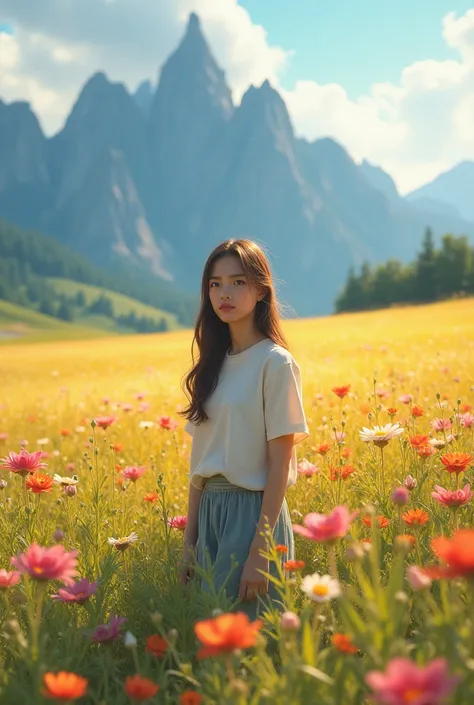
(355, 42)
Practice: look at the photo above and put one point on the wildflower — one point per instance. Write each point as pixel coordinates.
(146, 424)
(117, 447)
(132, 472)
(339, 437)
(53, 563)
(58, 535)
(65, 481)
(382, 521)
(410, 482)
(456, 462)
(9, 578)
(289, 622)
(105, 633)
(23, 462)
(404, 682)
(139, 688)
(415, 517)
(418, 578)
(150, 497)
(226, 633)
(406, 541)
(322, 448)
(123, 543)
(343, 643)
(42, 441)
(405, 398)
(418, 440)
(190, 697)
(400, 496)
(341, 392)
(457, 553)
(178, 522)
(280, 548)
(307, 468)
(65, 432)
(466, 420)
(156, 645)
(77, 593)
(322, 527)
(437, 443)
(441, 424)
(167, 423)
(381, 435)
(456, 498)
(293, 565)
(70, 490)
(320, 588)
(64, 686)
(129, 641)
(342, 472)
(425, 451)
(3, 484)
(382, 393)
(104, 421)
(416, 411)
(39, 482)
(391, 411)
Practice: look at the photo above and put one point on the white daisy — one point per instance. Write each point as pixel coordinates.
(124, 542)
(65, 481)
(381, 435)
(320, 588)
(146, 424)
(437, 442)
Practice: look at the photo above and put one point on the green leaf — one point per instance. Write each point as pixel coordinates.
(307, 645)
(316, 673)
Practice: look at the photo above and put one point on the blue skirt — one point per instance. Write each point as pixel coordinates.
(228, 518)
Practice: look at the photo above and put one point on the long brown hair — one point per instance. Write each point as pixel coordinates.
(212, 336)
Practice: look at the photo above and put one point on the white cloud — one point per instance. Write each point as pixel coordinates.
(414, 129)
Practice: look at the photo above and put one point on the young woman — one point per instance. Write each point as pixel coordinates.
(245, 416)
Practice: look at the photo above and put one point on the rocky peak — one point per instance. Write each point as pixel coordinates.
(22, 146)
(143, 97)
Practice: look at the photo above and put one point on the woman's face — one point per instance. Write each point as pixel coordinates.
(229, 286)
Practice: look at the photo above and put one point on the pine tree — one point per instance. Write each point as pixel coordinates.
(425, 284)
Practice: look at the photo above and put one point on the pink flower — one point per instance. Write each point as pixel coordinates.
(132, 472)
(108, 632)
(104, 421)
(467, 420)
(322, 527)
(178, 522)
(307, 468)
(168, 423)
(79, 592)
(289, 622)
(400, 496)
(23, 462)
(404, 682)
(449, 498)
(9, 578)
(339, 436)
(410, 482)
(441, 424)
(53, 563)
(406, 398)
(417, 578)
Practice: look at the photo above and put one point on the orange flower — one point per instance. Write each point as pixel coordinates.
(63, 686)
(465, 408)
(39, 482)
(346, 452)
(226, 633)
(416, 411)
(293, 565)
(65, 432)
(456, 462)
(457, 553)
(280, 548)
(415, 517)
(391, 411)
(156, 645)
(343, 644)
(322, 448)
(425, 451)
(365, 408)
(341, 392)
(342, 472)
(117, 447)
(150, 497)
(139, 688)
(190, 697)
(408, 539)
(382, 521)
(417, 441)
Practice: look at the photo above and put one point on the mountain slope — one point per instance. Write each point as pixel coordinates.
(454, 188)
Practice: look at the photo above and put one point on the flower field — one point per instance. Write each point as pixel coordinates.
(378, 606)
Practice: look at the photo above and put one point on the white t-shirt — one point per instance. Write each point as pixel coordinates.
(258, 397)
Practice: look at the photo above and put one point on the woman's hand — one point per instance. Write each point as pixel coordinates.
(186, 565)
(252, 582)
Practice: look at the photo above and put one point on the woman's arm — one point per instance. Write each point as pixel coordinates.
(279, 457)
(191, 530)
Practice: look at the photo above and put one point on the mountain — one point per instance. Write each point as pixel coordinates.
(454, 188)
(147, 184)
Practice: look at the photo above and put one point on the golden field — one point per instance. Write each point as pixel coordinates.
(51, 391)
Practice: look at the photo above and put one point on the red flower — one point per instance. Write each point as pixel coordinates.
(226, 633)
(104, 421)
(416, 411)
(156, 645)
(457, 553)
(419, 440)
(392, 412)
(280, 548)
(341, 472)
(322, 448)
(341, 392)
(178, 522)
(190, 697)
(150, 497)
(293, 565)
(343, 644)
(382, 521)
(139, 688)
(63, 686)
(456, 462)
(168, 423)
(39, 482)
